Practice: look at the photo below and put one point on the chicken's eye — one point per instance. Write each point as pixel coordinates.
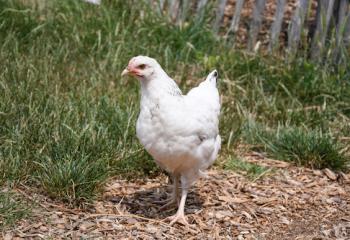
(142, 66)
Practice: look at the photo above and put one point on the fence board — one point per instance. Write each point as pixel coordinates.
(201, 8)
(328, 19)
(328, 11)
(255, 23)
(219, 15)
(161, 6)
(296, 26)
(236, 17)
(277, 24)
(324, 14)
(174, 9)
(346, 23)
(184, 10)
(341, 13)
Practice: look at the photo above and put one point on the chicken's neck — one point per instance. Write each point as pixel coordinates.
(159, 87)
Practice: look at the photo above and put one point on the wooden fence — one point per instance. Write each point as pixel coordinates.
(329, 34)
(331, 28)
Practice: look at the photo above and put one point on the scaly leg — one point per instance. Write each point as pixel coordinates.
(180, 215)
(174, 196)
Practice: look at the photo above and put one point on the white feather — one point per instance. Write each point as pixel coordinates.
(180, 131)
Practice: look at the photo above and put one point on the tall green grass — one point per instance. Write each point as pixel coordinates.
(67, 119)
(305, 147)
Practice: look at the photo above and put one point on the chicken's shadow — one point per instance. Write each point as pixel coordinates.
(146, 203)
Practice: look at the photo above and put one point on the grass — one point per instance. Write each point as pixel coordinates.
(311, 148)
(251, 170)
(67, 119)
(11, 209)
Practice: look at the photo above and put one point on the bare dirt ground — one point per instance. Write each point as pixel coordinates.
(288, 203)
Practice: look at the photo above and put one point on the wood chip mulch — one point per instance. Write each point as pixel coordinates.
(288, 203)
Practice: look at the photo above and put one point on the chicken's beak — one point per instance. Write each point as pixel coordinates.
(125, 72)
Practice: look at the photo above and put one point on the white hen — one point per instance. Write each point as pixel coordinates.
(179, 131)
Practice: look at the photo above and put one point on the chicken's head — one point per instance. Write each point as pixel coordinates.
(141, 67)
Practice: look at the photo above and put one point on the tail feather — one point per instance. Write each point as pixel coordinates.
(212, 78)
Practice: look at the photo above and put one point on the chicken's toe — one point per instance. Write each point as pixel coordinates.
(178, 218)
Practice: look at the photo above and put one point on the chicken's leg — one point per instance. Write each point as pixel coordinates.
(174, 195)
(180, 214)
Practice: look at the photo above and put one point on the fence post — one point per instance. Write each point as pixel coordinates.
(255, 23)
(324, 14)
(219, 15)
(235, 19)
(296, 26)
(277, 24)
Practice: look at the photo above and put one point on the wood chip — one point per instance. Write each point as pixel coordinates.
(294, 203)
(331, 175)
